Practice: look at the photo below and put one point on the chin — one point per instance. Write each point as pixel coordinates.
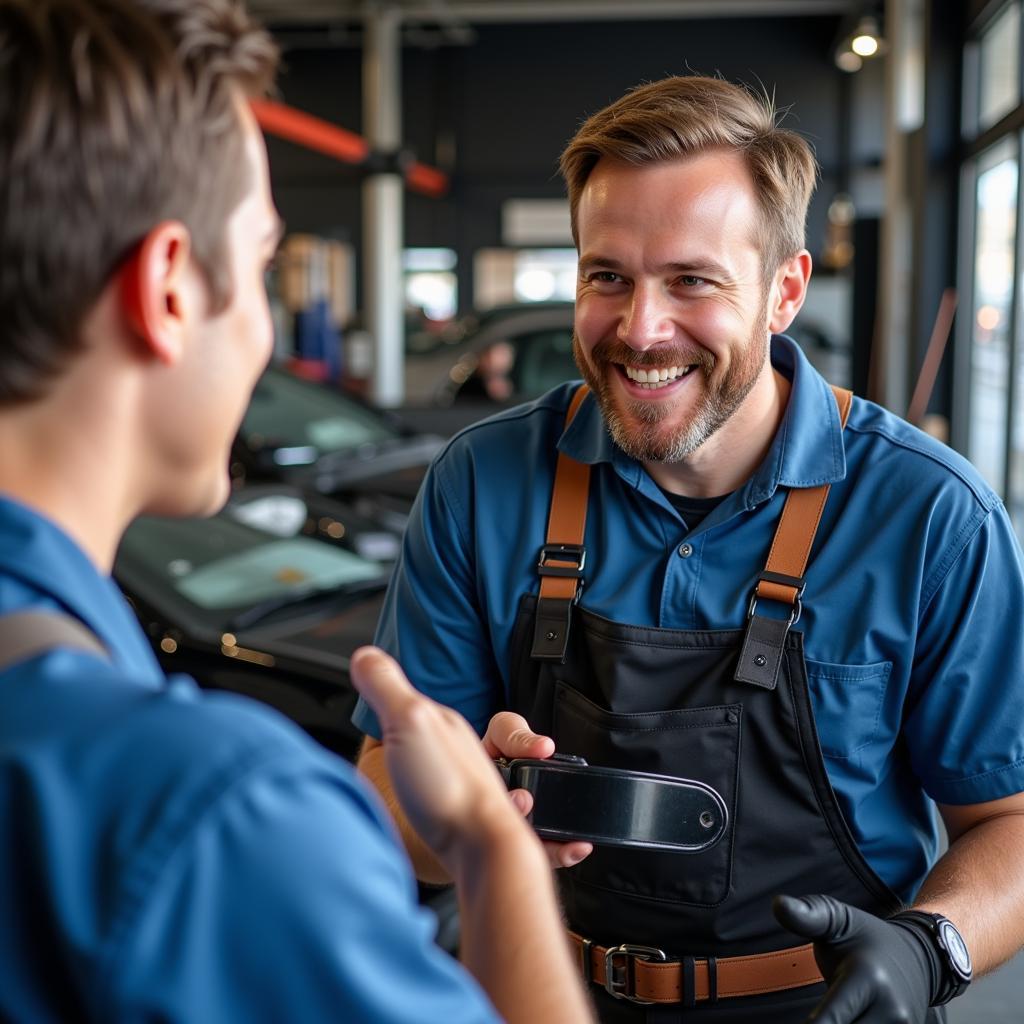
(197, 501)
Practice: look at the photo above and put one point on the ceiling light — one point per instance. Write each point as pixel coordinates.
(865, 40)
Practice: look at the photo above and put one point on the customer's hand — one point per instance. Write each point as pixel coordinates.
(509, 735)
(878, 971)
(448, 788)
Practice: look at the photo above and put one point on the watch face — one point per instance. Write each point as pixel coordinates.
(956, 948)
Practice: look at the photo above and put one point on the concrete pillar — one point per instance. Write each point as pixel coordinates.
(382, 205)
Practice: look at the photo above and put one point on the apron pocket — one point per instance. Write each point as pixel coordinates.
(691, 743)
(847, 703)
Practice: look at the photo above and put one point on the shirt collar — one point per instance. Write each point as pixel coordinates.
(36, 551)
(807, 449)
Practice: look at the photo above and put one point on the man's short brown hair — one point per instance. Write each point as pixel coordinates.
(683, 116)
(114, 115)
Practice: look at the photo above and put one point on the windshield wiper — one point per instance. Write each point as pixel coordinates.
(263, 610)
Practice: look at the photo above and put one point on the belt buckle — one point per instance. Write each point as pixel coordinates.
(619, 987)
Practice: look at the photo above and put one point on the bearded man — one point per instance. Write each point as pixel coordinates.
(833, 672)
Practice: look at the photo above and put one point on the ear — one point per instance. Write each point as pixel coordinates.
(156, 291)
(788, 291)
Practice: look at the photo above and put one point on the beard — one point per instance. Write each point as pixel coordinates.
(640, 428)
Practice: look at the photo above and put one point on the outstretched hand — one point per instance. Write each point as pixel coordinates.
(447, 787)
(878, 971)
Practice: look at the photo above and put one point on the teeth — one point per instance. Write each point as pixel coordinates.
(656, 378)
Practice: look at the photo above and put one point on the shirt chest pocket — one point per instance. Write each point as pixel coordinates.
(847, 702)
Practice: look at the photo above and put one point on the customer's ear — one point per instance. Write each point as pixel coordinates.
(157, 291)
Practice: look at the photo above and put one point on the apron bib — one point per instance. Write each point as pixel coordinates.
(730, 708)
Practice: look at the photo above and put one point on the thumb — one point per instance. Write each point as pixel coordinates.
(813, 917)
(381, 682)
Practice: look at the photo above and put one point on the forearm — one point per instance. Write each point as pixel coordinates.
(372, 765)
(513, 939)
(979, 886)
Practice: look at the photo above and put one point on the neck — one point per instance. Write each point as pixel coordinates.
(732, 454)
(65, 457)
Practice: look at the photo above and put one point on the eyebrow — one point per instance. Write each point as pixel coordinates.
(698, 268)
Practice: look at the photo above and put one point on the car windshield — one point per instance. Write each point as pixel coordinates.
(289, 413)
(219, 564)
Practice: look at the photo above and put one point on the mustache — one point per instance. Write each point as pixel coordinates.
(611, 350)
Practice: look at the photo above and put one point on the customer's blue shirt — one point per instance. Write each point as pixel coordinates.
(167, 855)
(913, 615)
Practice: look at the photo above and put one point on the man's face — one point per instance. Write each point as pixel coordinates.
(200, 404)
(671, 322)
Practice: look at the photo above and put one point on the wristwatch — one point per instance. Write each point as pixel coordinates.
(954, 956)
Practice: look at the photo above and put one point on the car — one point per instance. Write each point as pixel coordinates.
(318, 439)
(511, 354)
(270, 616)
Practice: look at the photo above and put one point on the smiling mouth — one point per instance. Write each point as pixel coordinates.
(654, 377)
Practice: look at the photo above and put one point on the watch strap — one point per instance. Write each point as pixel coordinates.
(950, 981)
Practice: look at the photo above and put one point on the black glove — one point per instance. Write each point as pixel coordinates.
(878, 971)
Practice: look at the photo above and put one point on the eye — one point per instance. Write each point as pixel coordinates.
(603, 277)
(691, 281)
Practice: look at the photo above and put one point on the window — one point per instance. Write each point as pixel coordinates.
(992, 313)
(999, 67)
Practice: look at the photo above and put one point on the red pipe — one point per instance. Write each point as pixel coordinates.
(323, 137)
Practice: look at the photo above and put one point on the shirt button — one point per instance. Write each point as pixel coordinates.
(685, 550)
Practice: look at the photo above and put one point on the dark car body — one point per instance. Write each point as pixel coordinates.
(318, 439)
(275, 618)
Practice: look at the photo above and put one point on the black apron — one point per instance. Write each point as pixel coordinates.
(668, 701)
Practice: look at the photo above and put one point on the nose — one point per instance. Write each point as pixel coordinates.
(646, 321)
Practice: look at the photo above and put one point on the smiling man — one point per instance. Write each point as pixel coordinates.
(709, 564)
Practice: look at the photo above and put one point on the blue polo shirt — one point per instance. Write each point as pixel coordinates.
(176, 856)
(912, 615)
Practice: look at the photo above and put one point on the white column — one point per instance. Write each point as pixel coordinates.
(382, 206)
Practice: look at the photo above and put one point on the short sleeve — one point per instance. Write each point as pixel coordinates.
(431, 621)
(290, 900)
(965, 718)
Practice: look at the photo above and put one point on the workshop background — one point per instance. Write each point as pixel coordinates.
(428, 274)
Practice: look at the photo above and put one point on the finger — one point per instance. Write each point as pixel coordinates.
(381, 682)
(510, 735)
(845, 1001)
(813, 917)
(566, 855)
(523, 800)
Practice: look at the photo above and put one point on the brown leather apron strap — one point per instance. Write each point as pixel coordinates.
(562, 557)
(637, 974)
(798, 526)
(782, 579)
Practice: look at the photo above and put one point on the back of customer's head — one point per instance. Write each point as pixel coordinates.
(115, 115)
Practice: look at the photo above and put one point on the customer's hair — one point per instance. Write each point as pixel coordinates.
(681, 117)
(114, 116)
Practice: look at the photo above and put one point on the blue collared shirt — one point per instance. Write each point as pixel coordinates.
(912, 615)
(178, 856)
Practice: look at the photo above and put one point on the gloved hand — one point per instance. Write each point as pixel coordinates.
(878, 971)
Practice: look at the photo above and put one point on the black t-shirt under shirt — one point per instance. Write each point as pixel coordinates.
(693, 510)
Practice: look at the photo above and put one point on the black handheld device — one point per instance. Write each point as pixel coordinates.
(573, 800)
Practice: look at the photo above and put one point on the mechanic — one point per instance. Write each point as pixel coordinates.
(834, 673)
(167, 855)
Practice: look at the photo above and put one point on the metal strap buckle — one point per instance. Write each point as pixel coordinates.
(620, 978)
(794, 615)
(574, 553)
(796, 582)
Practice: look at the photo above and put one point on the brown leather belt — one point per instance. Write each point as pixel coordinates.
(643, 974)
